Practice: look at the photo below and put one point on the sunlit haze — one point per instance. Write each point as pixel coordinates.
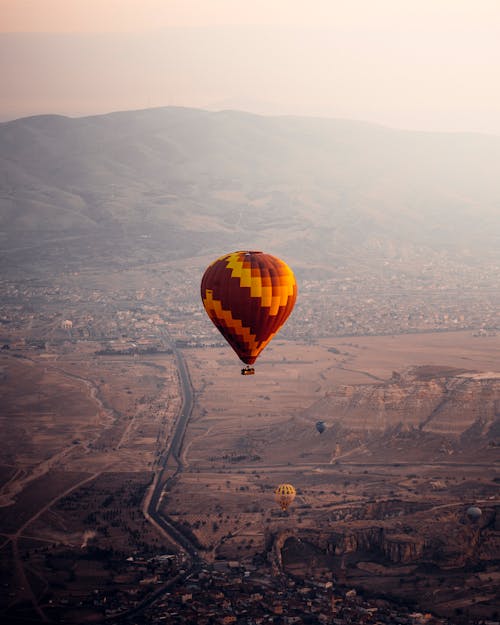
(250, 312)
(426, 66)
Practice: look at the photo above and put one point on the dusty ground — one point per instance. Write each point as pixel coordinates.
(250, 433)
(240, 415)
(81, 437)
(83, 433)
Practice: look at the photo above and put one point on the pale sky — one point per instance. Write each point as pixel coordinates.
(416, 64)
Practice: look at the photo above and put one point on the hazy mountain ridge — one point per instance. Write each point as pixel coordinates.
(322, 187)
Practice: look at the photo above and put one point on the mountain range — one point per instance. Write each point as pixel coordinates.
(186, 182)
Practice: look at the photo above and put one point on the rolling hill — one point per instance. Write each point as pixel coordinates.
(186, 182)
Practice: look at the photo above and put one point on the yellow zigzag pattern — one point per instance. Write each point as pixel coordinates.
(215, 310)
(272, 297)
(285, 489)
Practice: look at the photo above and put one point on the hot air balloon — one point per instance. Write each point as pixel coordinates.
(474, 513)
(320, 426)
(248, 296)
(284, 495)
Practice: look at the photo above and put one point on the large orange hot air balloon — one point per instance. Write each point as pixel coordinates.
(248, 296)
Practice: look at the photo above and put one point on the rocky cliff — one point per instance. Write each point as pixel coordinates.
(435, 400)
(445, 544)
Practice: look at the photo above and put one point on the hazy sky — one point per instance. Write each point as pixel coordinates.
(418, 64)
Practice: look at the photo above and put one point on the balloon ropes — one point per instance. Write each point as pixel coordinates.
(248, 295)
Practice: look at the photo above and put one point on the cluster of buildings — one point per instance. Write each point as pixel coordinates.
(393, 302)
(360, 306)
(230, 594)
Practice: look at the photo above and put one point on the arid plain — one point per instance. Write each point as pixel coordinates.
(385, 498)
(83, 434)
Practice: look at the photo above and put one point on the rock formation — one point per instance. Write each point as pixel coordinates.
(437, 400)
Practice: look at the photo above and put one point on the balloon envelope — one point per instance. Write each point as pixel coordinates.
(320, 426)
(474, 513)
(284, 495)
(248, 296)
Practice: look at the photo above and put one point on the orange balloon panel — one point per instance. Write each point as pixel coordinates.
(248, 296)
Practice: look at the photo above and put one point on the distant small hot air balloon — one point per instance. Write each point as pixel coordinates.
(320, 426)
(248, 296)
(474, 513)
(284, 495)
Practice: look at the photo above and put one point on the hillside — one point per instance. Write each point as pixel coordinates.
(423, 414)
(178, 182)
(437, 400)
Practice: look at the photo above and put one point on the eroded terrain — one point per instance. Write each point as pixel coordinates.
(411, 441)
(82, 437)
